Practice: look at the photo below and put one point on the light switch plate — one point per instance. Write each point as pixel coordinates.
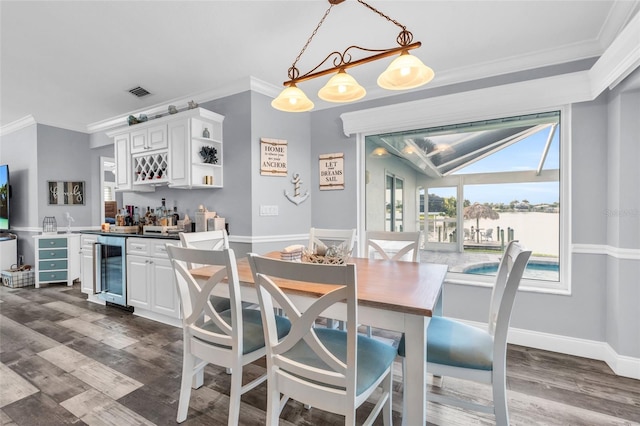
(268, 210)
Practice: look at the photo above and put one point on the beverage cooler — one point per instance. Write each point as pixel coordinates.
(110, 282)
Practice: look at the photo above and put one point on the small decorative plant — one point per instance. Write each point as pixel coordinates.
(209, 154)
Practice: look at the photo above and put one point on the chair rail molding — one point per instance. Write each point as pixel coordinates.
(608, 250)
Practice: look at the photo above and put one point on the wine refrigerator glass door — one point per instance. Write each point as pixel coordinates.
(110, 270)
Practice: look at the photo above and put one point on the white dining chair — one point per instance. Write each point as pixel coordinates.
(324, 238)
(401, 246)
(328, 369)
(231, 338)
(393, 245)
(460, 350)
(209, 240)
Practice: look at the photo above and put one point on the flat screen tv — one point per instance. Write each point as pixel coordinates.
(5, 194)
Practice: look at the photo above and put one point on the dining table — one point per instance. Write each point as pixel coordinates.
(392, 295)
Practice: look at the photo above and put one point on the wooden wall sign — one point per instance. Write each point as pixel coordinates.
(273, 157)
(65, 193)
(331, 171)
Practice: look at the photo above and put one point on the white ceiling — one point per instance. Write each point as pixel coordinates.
(71, 63)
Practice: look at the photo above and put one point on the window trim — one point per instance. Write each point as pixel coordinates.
(563, 286)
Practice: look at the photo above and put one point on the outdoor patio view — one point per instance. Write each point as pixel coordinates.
(488, 227)
(478, 186)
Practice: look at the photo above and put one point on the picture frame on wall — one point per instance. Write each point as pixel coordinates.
(65, 193)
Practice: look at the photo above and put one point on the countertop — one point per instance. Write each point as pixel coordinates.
(117, 234)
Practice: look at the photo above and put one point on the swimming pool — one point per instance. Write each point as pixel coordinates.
(536, 270)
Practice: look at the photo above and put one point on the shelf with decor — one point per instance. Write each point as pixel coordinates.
(206, 161)
(200, 163)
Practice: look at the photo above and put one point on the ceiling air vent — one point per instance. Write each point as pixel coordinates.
(139, 92)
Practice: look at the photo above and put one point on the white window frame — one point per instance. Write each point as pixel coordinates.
(467, 114)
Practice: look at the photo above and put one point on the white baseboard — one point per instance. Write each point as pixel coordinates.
(621, 365)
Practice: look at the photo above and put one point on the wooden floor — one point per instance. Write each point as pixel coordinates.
(66, 361)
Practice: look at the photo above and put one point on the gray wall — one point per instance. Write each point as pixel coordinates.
(604, 299)
(64, 155)
(40, 153)
(604, 181)
(622, 217)
(233, 202)
(248, 117)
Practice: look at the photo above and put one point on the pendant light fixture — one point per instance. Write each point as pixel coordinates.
(405, 72)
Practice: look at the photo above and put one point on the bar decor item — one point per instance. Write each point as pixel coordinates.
(49, 225)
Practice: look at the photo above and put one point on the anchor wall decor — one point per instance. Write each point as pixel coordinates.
(297, 198)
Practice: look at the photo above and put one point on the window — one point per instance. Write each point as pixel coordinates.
(394, 206)
(485, 183)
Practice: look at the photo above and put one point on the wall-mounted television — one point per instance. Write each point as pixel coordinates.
(5, 195)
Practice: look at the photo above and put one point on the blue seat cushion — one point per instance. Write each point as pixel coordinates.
(253, 333)
(453, 343)
(220, 303)
(374, 357)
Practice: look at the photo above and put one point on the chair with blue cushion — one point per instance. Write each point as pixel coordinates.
(459, 350)
(229, 338)
(328, 369)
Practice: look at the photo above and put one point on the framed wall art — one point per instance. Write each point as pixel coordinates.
(331, 169)
(273, 157)
(65, 193)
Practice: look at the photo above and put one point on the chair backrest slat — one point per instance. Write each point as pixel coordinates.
(393, 245)
(195, 297)
(341, 288)
(508, 277)
(344, 238)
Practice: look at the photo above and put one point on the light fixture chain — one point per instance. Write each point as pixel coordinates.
(382, 14)
(293, 71)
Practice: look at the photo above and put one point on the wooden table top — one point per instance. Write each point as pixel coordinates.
(406, 287)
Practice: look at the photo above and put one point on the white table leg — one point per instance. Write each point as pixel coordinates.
(414, 399)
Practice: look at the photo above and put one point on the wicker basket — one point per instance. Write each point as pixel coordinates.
(16, 279)
(310, 257)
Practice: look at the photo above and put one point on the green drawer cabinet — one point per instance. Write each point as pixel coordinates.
(57, 258)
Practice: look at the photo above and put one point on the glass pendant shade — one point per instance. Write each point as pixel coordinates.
(379, 152)
(292, 99)
(342, 88)
(405, 72)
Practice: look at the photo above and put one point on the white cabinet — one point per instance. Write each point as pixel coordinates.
(123, 162)
(138, 271)
(167, 151)
(152, 289)
(147, 139)
(188, 139)
(57, 258)
(87, 241)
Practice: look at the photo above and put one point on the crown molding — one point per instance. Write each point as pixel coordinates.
(472, 105)
(238, 86)
(17, 125)
(620, 59)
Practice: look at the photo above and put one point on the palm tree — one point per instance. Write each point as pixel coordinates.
(479, 211)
